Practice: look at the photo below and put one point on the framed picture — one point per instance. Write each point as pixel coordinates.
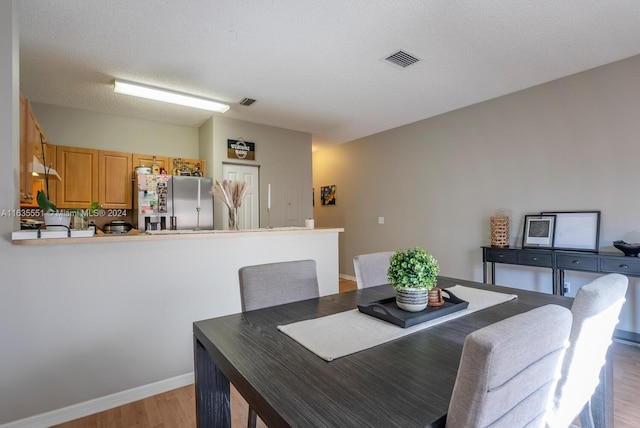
(328, 195)
(538, 231)
(576, 230)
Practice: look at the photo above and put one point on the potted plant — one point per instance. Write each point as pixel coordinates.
(53, 218)
(413, 273)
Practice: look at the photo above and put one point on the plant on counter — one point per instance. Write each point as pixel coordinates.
(81, 216)
(231, 193)
(44, 203)
(42, 197)
(413, 268)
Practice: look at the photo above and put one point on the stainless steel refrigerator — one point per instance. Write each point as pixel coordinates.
(171, 202)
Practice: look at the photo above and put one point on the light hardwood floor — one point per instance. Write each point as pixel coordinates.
(176, 409)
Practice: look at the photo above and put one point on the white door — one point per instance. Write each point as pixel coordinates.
(249, 212)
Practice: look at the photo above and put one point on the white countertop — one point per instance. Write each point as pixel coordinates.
(29, 237)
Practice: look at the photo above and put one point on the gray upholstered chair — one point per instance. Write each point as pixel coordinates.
(595, 313)
(371, 269)
(274, 284)
(508, 370)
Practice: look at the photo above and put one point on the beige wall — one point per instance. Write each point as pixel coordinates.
(284, 160)
(571, 144)
(80, 128)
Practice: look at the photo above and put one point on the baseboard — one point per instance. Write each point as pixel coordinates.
(343, 276)
(107, 402)
(626, 336)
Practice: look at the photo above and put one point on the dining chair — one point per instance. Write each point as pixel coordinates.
(508, 370)
(274, 284)
(371, 269)
(595, 311)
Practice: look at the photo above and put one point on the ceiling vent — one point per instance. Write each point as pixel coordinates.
(402, 59)
(247, 101)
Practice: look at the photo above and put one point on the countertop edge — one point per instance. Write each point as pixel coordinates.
(169, 236)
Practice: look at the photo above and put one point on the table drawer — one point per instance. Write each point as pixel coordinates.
(535, 259)
(502, 256)
(621, 265)
(576, 262)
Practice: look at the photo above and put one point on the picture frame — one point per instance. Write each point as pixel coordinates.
(328, 195)
(576, 230)
(538, 231)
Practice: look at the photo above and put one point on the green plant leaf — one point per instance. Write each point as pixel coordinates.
(44, 203)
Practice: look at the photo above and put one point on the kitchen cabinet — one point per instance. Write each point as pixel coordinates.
(147, 160)
(173, 162)
(32, 143)
(78, 169)
(114, 179)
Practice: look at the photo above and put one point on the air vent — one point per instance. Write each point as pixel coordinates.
(403, 59)
(247, 101)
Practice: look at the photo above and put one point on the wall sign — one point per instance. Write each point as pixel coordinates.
(240, 149)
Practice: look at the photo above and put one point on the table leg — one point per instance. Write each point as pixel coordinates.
(493, 273)
(558, 283)
(213, 405)
(484, 272)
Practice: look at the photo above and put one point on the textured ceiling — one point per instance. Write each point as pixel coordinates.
(313, 66)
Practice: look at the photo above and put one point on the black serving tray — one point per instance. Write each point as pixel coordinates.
(388, 310)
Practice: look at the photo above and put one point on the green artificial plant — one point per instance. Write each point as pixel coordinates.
(42, 197)
(413, 268)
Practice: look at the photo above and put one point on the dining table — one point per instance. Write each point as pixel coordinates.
(406, 382)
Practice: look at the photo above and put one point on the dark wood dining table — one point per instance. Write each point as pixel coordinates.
(403, 383)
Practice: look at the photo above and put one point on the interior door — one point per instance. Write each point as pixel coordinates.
(249, 212)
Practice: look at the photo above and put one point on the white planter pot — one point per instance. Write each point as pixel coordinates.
(57, 221)
(412, 299)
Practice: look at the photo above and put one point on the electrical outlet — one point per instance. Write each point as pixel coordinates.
(567, 287)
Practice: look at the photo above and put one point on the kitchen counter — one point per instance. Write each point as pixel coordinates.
(136, 235)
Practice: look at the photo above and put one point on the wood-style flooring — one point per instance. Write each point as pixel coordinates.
(176, 409)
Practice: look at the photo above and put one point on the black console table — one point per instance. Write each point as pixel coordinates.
(558, 261)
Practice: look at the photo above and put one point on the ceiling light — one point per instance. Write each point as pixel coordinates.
(167, 96)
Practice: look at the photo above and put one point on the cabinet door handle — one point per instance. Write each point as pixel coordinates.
(624, 266)
(534, 259)
(576, 262)
(500, 256)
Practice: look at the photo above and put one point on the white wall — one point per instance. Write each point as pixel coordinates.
(66, 126)
(571, 144)
(284, 158)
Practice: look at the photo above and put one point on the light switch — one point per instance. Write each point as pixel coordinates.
(380, 220)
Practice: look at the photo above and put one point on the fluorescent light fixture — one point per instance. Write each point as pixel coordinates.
(143, 91)
(38, 170)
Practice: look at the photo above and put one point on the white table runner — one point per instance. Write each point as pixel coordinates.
(344, 333)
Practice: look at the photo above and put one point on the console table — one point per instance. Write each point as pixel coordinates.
(559, 261)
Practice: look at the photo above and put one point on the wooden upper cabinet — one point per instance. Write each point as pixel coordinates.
(114, 179)
(32, 142)
(78, 168)
(26, 196)
(147, 160)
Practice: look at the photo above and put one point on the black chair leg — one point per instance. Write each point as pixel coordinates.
(251, 423)
(586, 417)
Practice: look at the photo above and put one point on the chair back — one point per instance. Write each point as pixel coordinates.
(595, 311)
(371, 269)
(274, 284)
(508, 370)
